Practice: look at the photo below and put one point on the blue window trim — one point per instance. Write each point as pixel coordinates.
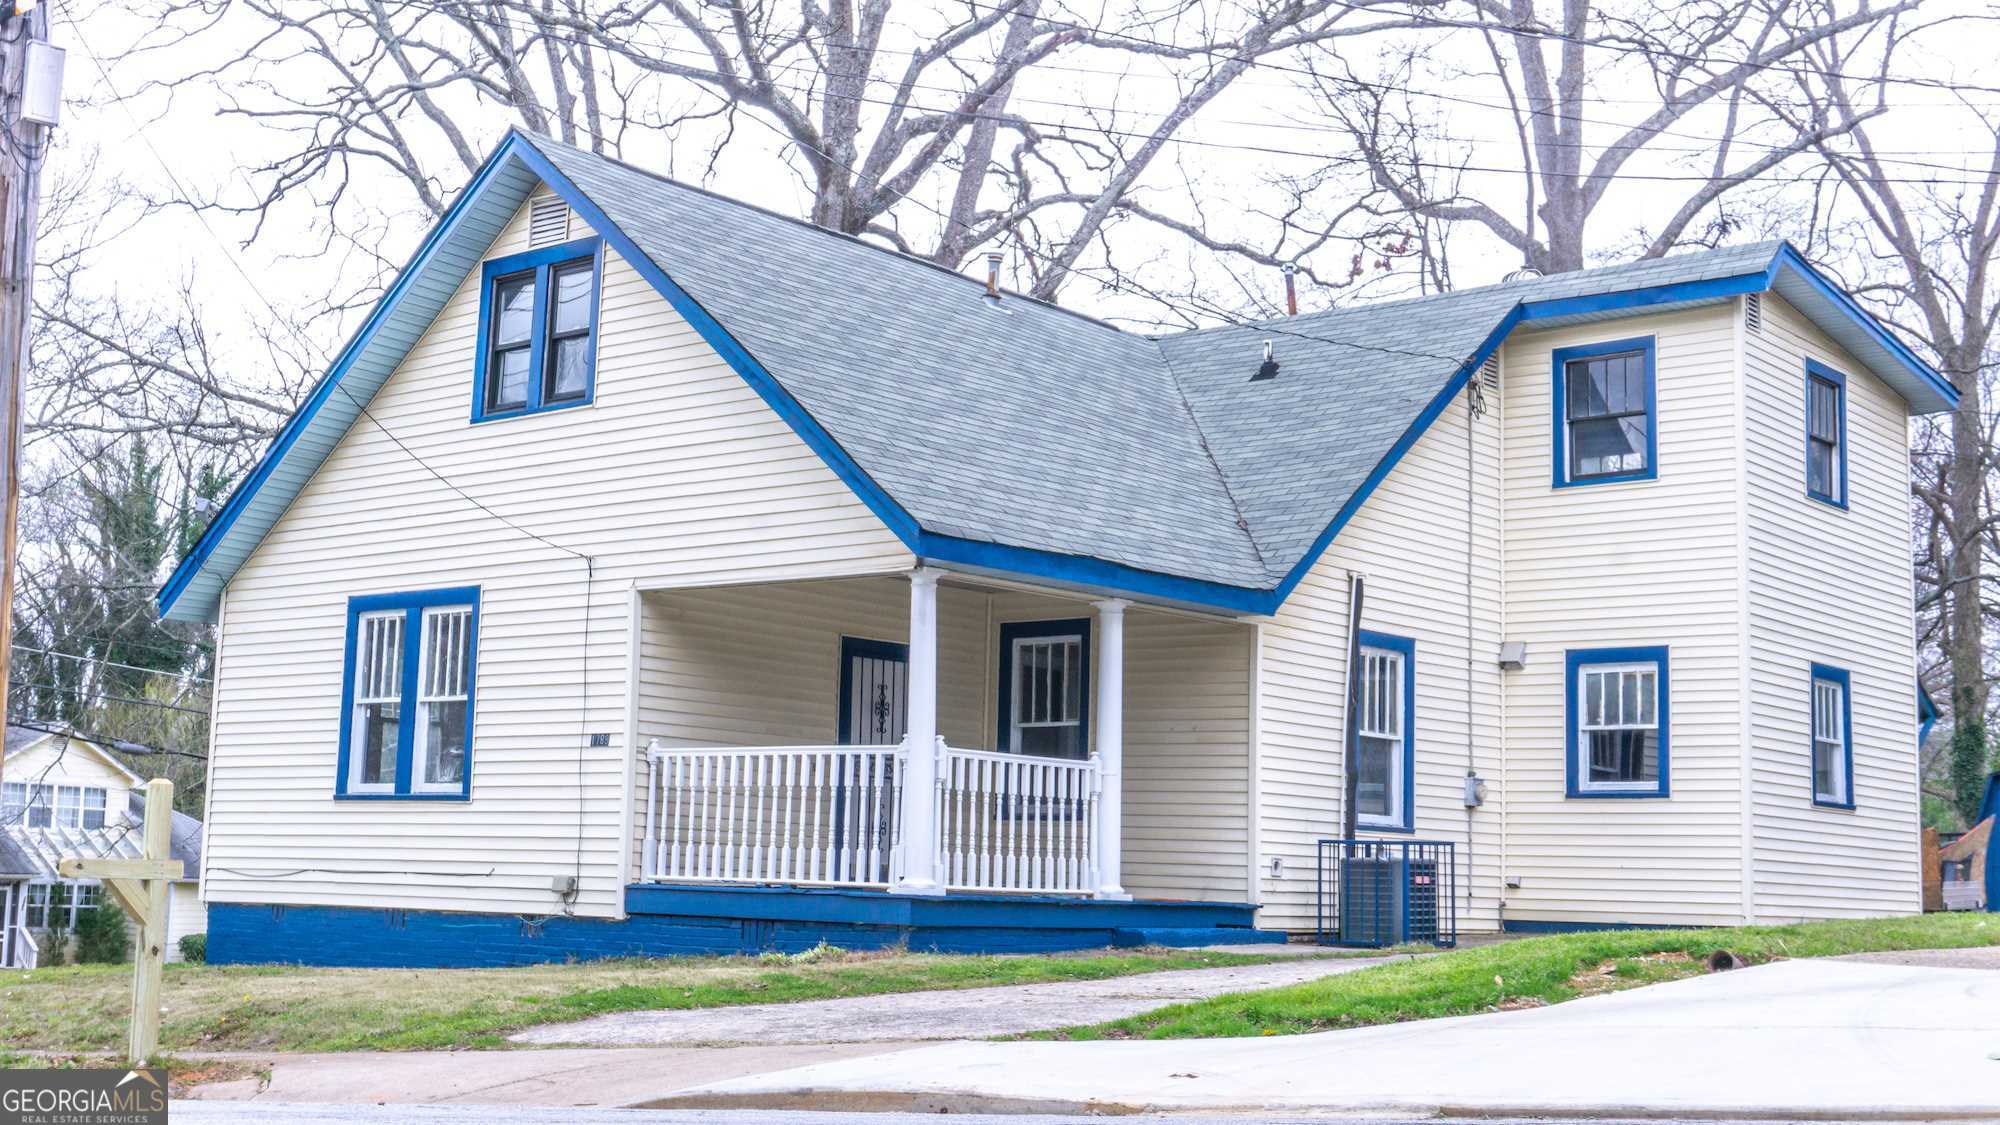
(413, 603)
(540, 263)
(1575, 659)
(851, 647)
(1559, 420)
(1408, 648)
(1015, 630)
(1839, 676)
(1817, 370)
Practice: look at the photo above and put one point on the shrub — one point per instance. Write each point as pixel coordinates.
(194, 948)
(100, 935)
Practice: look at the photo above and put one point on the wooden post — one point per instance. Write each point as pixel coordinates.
(141, 886)
(20, 204)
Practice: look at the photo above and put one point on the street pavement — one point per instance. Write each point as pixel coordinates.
(228, 1113)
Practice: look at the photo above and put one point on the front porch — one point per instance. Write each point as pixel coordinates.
(934, 751)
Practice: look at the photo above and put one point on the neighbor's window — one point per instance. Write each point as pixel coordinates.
(1045, 687)
(79, 807)
(1826, 435)
(35, 915)
(407, 727)
(1384, 706)
(31, 806)
(1618, 722)
(538, 326)
(1832, 740)
(1604, 413)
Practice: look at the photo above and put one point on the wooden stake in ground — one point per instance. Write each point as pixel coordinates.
(140, 886)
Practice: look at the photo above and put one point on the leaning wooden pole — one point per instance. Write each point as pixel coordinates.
(141, 887)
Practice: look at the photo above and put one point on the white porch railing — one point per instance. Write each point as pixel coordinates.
(1011, 822)
(831, 816)
(825, 815)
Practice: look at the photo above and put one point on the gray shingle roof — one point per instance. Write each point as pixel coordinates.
(1030, 426)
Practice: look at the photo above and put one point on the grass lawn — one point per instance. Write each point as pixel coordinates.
(223, 1008)
(1526, 973)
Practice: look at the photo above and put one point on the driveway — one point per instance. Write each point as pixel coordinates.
(1806, 1038)
(972, 1013)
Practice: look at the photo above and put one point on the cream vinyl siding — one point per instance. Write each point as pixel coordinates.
(1409, 540)
(1831, 587)
(57, 761)
(185, 915)
(1610, 565)
(760, 666)
(677, 474)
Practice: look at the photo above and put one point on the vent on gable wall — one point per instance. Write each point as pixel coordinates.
(1489, 373)
(548, 221)
(1753, 312)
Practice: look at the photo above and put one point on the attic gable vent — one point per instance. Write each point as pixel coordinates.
(548, 221)
(1489, 373)
(1753, 312)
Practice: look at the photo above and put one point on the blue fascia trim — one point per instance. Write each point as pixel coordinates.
(1713, 289)
(1839, 676)
(1576, 658)
(538, 262)
(1082, 570)
(851, 647)
(1012, 631)
(1817, 370)
(289, 434)
(413, 603)
(1559, 412)
(1408, 648)
(1790, 259)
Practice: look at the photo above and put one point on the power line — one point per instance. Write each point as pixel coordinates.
(111, 664)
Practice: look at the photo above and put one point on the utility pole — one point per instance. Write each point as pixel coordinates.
(30, 102)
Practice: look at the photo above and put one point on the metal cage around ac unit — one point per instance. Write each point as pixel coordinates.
(1377, 893)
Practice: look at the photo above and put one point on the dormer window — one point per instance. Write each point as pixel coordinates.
(538, 331)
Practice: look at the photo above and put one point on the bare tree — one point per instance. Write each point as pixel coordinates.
(1926, 246)
(875, 107)
(1563, 79)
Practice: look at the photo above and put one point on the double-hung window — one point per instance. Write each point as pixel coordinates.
(1826, 434)
(538, 330)
(1617, 719)
(406, 722)
(1045, 688)
(79, 806)
(1605, 413)
(1385, 712)
(1832, 739)
(30, 806)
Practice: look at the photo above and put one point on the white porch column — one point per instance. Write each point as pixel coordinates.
(1111, 747)
(919, 796)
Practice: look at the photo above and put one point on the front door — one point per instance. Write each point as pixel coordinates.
(874, 692)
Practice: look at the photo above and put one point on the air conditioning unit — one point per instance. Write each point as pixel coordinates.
(1389, 901)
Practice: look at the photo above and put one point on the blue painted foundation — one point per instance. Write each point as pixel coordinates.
(667, 921)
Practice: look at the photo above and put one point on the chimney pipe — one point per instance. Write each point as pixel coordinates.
(1291, 289)
(993, 275)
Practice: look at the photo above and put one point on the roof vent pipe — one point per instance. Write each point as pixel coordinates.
(993, 276)
(1269, 369)
(1291, 289)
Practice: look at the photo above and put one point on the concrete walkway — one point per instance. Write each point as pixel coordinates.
(973, 1013)
(1839, 1039)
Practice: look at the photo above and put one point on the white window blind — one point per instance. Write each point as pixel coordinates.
(1378, 766)
(443, 696)
(378, 701)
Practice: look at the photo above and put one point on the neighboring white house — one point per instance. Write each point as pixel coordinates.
(66, 796)
(653, 573)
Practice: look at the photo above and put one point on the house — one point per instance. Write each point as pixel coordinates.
(653, 573)
(65, 796)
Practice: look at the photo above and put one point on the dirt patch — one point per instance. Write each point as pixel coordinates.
(1618, 973)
